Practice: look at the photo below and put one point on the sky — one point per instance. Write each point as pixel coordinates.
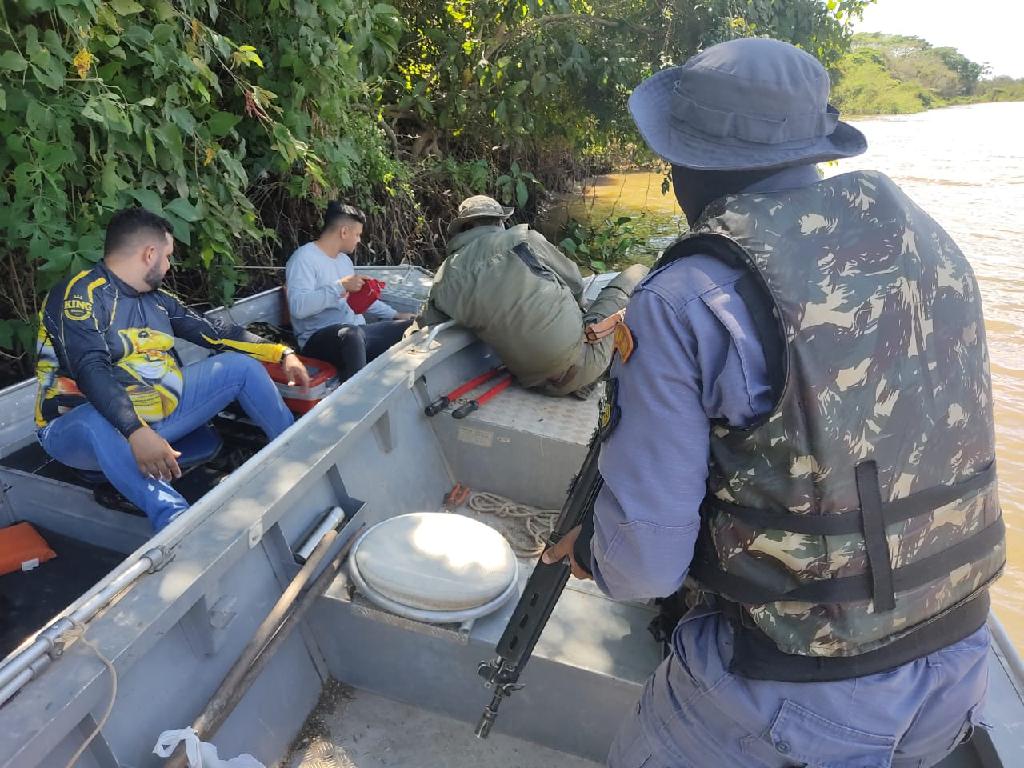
(983, 30)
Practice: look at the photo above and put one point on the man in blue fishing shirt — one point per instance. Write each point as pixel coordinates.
(805, 446)
(112, 393)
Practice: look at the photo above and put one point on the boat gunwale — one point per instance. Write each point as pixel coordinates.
(170, 536)
(236, 510)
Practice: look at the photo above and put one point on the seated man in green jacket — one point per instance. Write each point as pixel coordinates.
(522, 296)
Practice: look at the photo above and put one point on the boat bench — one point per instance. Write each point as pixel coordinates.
(521, 445)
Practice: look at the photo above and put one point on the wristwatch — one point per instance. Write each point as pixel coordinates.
(287, 351)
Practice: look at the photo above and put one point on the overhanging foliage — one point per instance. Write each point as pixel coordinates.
(238, 119)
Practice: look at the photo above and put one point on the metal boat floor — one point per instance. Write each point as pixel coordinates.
(30, 599)
(354, 729)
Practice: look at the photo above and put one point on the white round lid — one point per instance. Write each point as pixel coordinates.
(436, 561)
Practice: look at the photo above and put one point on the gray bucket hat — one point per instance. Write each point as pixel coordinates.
(478, 207)
(744, 104)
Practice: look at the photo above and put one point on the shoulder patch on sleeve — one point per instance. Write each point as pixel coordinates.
(625, 342)
(610, 412)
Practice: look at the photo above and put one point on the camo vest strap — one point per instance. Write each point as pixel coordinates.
(857, 526)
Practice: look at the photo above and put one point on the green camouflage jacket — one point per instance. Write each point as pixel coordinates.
(518, 293)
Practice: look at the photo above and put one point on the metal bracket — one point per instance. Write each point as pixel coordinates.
(429, 342)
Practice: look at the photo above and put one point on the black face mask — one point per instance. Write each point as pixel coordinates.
(695, 189)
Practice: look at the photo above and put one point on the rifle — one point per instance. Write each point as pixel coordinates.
(546, 583)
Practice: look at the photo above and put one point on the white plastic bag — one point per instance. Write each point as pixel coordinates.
(200, 754)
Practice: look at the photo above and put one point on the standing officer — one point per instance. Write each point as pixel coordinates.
(806, 432)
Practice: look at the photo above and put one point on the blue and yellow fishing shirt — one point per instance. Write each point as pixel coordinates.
(104, 342)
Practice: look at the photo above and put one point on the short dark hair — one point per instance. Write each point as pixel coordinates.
(129, 223)
(341, 213)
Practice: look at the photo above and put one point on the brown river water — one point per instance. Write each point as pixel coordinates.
(965, 166)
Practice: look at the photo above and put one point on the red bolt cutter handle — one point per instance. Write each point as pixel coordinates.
(445, 400)
(464, 410)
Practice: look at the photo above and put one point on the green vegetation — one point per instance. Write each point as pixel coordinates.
(891, 74)
(1000, 89)
(610, 244)
(238, 119)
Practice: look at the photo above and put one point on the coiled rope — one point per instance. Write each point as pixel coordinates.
(526, 528)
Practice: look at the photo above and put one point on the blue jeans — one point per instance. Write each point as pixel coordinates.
(693, 713)
(84, 439)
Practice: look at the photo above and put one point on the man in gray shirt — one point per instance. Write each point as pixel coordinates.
(320, 275)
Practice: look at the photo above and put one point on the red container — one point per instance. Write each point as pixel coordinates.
(361, 300)
(323, 379)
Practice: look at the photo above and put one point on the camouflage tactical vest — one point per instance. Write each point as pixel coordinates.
(857, 525)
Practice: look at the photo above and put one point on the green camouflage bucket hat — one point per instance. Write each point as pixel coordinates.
(478, 207)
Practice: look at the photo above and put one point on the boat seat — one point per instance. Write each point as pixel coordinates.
(520, 445)
(567, 419)
(197, 447)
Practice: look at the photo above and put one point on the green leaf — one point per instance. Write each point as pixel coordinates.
(37, 116)
(222, 123)
(149, 101)
(163, 34)
(13, 61)
(522, 194)
(110, 182)
(138, 36)
(148, 199)
(150, 148)
(3, 100)
(126, 7)
(90, 111)
(163, 10)
(116, 119)
(569, 245)
(183, 209)
(181, 230)
(52, 75)
(181, 117)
